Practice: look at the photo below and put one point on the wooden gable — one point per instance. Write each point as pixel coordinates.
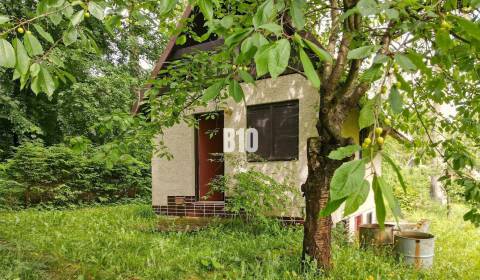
(173, 51)
(196, 23)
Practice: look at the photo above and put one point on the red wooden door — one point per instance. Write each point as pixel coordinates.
(358, 222)
(210, 164)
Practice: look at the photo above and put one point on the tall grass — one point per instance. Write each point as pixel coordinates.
(121, 242)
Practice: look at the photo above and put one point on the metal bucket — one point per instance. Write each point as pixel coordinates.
(416, 248)
(372, 235)
(422, 226)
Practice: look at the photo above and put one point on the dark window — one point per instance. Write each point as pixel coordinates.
(277, 126)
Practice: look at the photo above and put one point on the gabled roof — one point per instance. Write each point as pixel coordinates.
(173, 51)
(161, 60)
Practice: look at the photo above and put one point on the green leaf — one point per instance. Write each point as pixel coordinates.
(443, 40)
(23, 80)
(46, 82)
(417, 59)
(347, 179)
(206, 7)
(253, 43)
(247, 45)
(380, 59)
(248, 51)
(55, 3)
(469, 27)
(23, 60)
(56, 60)
(367, 7)
(343, 152)
(235, 90)
(34, 69)
(69, 76)
(372, 74)
(321, 53)
(96, 10)
(77, 18)
(405, 62)
(396, 169)
(70, 36)
(261, 59)
(367, 116)
(361, 52)
(392, 14)
(357, 198)
(272, 27)
(182, 39)
(7, 54)
(387, 192)
(4, 19)
(32, 45)
(258, 40)
(166, 6)
(238, 36)
(278, 57)
(265, 13)
(331, 207)
(246, 77)
(297, 10)
(45, 35)
(55, 18)
(379, 203)
(227, 21)
(309, 70)
(404, 84)
(68, 12)
(41, 7)
(395, 100)
(35, 85)
(473, 216)
(16, 75)
(213, 91)
(298, 40)
(113, 22)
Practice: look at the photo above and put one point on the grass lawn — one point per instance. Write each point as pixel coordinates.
(120, 242)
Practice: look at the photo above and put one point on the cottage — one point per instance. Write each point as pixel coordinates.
(283, 111)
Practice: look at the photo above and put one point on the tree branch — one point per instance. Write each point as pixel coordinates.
(334, 115)
(337, 70)
(332, 40)
(353, 96)
(351, 77)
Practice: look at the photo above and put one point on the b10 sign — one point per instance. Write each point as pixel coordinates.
(247, 140)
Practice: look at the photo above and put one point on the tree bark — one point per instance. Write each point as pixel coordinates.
(317, 230)
(437, 193)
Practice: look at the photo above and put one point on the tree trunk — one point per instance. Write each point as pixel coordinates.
(317, 231)
(437, 193)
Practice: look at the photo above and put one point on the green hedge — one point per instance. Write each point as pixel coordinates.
(58, 176)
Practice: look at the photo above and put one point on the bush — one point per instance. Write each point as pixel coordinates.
(58, 176)
(256, 195)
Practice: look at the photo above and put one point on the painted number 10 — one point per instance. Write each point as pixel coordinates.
(247, 140)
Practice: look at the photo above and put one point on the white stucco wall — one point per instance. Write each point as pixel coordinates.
(177, 176)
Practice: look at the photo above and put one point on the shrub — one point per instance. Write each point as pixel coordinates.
(59, 176)
(256, 195)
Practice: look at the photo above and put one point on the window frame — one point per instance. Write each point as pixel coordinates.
(270, 107)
